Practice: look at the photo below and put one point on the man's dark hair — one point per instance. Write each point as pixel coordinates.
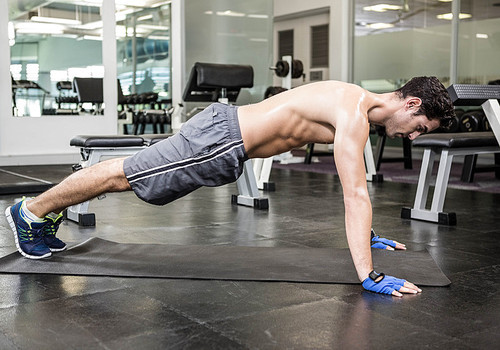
(436, 102)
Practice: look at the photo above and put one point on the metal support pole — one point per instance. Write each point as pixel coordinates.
(455, 10)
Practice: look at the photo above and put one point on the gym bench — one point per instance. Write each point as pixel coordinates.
(93, 149)
(446, 146)
(452, 144)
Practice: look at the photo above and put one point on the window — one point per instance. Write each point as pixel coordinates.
(285, 43)
(319, 46)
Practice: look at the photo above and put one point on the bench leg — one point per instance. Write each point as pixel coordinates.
(435, 214)
(379, 150)
(443, 176)
(408, 161)
(309, 153)
(371, 171)
(248, 192)
(469, 168)
(79, 212)
(262, 170)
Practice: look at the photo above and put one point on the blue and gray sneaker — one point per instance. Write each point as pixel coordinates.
(49, 234)
(28, 237)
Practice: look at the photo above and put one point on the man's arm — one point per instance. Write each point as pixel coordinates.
(350, 139)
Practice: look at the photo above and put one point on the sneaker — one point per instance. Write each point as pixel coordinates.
(29, 241)
(49, 234)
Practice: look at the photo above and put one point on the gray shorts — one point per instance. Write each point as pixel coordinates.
(207, 151)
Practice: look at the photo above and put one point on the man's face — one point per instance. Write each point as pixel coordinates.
(404, 123)
(409, 125)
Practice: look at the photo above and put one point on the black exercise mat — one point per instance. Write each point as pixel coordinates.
(98, 257)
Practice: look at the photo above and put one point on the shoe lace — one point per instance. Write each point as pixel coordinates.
(29, 234)
(51, 227)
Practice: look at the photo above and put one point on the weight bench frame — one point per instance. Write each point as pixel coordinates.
(435, 213)
(90, 156)
(491, 109)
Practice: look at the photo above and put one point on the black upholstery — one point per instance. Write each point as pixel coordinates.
(456, 140)
(224, 75)
(206, 81)
(91, 90)
(107, 141)
(472, 95)
(151, 139)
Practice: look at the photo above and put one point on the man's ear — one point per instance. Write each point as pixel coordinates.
(413, 102)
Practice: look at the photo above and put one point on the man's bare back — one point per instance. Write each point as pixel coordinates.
(306, 114)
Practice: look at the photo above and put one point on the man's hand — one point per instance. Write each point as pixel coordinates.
(380, 283)
(384, 243)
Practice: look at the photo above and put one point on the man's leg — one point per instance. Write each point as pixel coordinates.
(35, 221)
(83, 185)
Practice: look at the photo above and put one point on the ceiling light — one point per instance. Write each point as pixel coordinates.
(152, 27)
(144, 18)
(382, 8)
(92, 37)
(380, 25)
(449, 16)
(122, 15)
(481, 36)
(230, 13)
(257, 16)
(158, 37)
(38, 28)
(55, 20)
(161, 3)
(91, 25)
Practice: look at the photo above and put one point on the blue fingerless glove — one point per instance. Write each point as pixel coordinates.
(381, 243)
(380, 283)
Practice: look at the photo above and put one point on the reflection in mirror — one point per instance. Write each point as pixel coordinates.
(51, 44)
(54, 42)
(144, 67)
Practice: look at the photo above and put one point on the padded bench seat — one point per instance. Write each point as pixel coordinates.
(107, 141)
(151, 139)
(456, 140)
(447, 146)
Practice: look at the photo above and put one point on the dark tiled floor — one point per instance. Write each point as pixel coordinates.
(67, 312)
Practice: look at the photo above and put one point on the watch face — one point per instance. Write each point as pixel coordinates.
(376, 277)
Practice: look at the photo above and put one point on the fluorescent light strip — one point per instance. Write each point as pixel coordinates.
(258, 16)
(55, 20)
(144, 18)
(230, 13)
(449, 16)
(382, 8)
(379, 25)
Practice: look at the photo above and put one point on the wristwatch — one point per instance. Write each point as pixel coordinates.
(376, 277)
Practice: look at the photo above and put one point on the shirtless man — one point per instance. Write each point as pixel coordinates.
(211, 148)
